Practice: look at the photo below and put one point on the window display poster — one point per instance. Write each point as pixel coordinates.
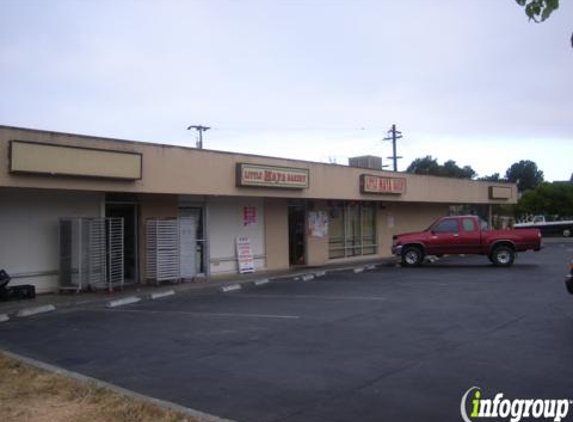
(249, 216)
(245, 257)
(318, 224)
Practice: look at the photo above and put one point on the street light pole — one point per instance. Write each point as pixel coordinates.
(200, 129)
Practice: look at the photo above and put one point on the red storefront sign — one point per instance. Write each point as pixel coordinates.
(382, 184)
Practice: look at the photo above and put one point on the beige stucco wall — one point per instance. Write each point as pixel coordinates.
(177, 170)
(276, 233)
(29, 232)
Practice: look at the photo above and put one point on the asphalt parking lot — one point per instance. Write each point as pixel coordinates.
(393, 344)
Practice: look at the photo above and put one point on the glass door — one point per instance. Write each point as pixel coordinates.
(192, 241)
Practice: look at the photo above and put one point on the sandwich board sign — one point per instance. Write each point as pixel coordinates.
(245, 257)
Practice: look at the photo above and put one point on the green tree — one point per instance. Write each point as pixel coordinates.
(425, 165)
(552, 199)
(539, 10)
(492, 178)
(430, 166)
(526, 174)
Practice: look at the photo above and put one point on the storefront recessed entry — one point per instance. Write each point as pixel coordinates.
(296, 220)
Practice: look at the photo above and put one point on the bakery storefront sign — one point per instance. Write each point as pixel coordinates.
(382, 185)
(252, 175)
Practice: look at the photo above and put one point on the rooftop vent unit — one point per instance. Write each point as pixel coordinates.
(366, 162)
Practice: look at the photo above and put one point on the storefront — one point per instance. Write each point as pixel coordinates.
(103, 210)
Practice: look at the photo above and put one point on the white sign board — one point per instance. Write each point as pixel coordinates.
(245, 257)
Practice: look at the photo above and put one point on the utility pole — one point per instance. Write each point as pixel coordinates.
(200, 129)
(394, 135)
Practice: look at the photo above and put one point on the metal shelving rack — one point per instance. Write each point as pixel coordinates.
(115, 267)
(91, 253)
(162, 242)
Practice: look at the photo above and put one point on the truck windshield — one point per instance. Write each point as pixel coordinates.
(433, 224)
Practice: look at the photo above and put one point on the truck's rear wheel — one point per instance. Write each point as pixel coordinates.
(412, 256)
(567, 233)
(503, 256)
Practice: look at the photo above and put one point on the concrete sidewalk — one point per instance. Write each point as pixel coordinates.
(51, 301)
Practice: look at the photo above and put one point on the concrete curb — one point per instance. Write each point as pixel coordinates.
(197, 414)
(230, 288)
(160, 295)
(26, 312)
(4, 317)
(371, 267)
(358, 270)
(307, 275)
(123, 301)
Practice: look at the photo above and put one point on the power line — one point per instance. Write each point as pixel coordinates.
(295, 129)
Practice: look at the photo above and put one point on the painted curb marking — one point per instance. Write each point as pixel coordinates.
(371, 267)
(307, 277)
(358, 270)
(231, 288)
(26, 312)
(261, 282)
(320, 274)
(159, 295)
(4, 318)
(121, 302)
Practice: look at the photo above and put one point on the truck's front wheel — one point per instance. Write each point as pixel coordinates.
(503, 256)
(412, 256)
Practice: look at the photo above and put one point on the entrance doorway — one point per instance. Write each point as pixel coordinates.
(127, 211)
(296, 229)
(192, 241)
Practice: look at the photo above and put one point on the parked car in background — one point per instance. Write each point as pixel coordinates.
(468, 235)
(569, 278)
(559, 227)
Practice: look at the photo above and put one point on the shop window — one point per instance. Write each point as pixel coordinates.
(352, 230)
(336, 232)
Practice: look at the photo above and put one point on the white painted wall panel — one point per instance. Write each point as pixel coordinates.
(225, 225)
(29, 231)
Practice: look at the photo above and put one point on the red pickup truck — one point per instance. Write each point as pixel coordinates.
(466, 234)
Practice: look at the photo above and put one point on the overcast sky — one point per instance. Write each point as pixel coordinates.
(467, 80)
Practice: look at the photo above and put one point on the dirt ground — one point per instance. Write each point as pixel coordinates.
(28, 394)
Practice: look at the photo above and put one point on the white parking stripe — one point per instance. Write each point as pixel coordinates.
(206, 314)
(287, 296)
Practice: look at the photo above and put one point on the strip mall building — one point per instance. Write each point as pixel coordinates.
(289, 212)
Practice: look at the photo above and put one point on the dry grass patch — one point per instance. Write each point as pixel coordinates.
(28, 394)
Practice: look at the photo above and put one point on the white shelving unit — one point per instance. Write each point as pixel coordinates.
(162, 238)
(91, 253)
